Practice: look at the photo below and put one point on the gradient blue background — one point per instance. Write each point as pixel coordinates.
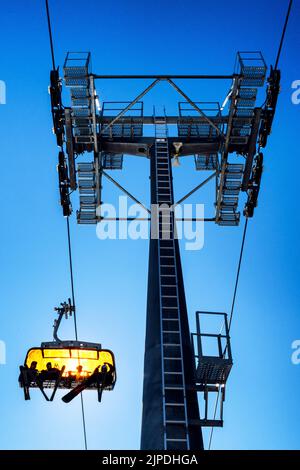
(262, 406)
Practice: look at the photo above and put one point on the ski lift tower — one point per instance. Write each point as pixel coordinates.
(225, 143)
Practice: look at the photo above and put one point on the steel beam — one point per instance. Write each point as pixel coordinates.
(165, 77)
(140, 146)
(149, 120)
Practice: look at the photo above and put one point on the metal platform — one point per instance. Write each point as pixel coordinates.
(87, 193)
(213, 361)
(112, 161)
(246, 97)
(229, 194)
(252, 67)
(242, 129)
(76, 75)
(206, 162)
(122, 128)
(212, 369)
(76, 69)
(188, 128)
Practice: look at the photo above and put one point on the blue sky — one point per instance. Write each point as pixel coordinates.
(262, 403)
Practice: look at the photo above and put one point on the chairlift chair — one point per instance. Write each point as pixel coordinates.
(71, 365)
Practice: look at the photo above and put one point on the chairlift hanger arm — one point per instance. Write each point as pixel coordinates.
(65, 310)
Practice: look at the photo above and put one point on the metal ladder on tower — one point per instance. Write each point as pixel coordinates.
(176, 435)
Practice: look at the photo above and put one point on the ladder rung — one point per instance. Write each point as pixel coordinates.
(169, 421)
(174, 404)
(168, 387)
(173, 359)
(168, 249)
(176, 440)
(173, 373)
